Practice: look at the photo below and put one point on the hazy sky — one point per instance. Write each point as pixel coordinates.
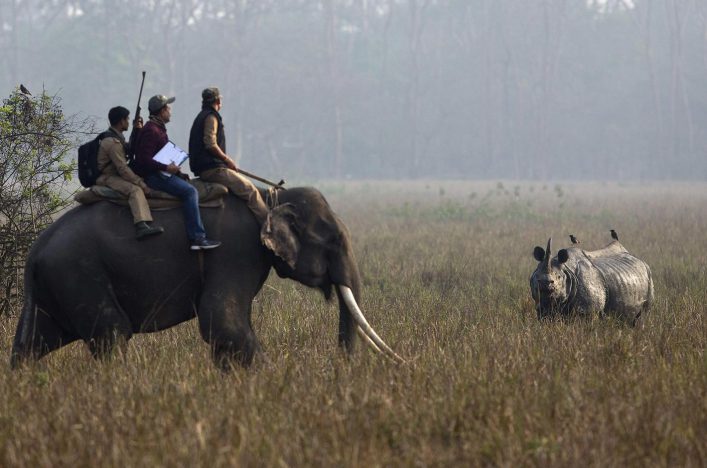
(393, 88)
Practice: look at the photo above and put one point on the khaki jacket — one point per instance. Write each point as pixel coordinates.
(112, 160)
(210, 131)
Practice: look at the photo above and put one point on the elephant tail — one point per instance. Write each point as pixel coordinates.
(23, 338)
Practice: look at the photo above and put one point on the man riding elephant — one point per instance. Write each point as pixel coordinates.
(168, 178)
(208, 158)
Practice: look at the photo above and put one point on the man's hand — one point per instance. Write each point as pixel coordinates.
(147, 190)
(172, 168)
(138, 123)
(230, 164)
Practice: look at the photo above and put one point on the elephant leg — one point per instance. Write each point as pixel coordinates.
(37, 335)
(103, 342)
(224, 323)
(95, 314)
(105, 328)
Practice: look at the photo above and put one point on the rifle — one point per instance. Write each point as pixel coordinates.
(134, 132)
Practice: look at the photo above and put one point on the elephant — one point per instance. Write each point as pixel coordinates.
(87, 278)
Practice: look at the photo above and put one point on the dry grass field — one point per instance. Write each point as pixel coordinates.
(445, 267)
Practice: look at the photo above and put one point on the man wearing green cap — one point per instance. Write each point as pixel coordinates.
(208, 158)
(168, 178)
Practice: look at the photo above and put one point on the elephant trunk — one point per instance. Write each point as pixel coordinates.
(344, 275)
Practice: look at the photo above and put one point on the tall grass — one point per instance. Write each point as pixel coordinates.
(445, 268)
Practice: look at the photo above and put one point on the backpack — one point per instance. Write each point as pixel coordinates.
(88, 160)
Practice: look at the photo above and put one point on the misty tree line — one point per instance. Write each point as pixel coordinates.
(394, 88)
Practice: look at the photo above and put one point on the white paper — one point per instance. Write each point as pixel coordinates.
(170, 153)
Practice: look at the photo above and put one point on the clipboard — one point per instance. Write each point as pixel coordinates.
(170, 153)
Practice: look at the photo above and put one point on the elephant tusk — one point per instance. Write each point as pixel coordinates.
(370, 342)
(350, 301)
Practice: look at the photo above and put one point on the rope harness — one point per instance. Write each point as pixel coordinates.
(272, 199)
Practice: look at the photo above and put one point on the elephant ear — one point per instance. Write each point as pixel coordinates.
(279, 233)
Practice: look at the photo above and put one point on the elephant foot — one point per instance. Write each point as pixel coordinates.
(106, 347)
(226, 356)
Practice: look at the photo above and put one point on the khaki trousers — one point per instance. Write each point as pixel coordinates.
(136, 197)
(241, 187)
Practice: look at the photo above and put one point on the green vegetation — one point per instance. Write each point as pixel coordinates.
(447, 287)
(36, 167)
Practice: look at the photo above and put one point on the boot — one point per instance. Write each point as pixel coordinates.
(142, 230)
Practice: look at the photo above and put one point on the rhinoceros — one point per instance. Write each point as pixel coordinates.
(608, 281)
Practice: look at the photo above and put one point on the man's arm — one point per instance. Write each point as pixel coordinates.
(147, 148)
(116, 154)
(210, 130)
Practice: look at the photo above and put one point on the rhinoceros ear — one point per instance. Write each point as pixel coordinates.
(562, 256)
(280, 233)
(539, 253)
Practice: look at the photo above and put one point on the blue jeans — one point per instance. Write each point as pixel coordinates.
(190, 201)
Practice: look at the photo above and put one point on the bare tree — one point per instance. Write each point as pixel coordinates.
(417, 18)
(332, 58)
(677, 13)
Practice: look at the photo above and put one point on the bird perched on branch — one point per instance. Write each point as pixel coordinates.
(24, 90)
(614, 235)
(574, 239)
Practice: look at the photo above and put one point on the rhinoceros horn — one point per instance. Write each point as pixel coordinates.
(548, 255)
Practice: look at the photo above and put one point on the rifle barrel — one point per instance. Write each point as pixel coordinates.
(139, 96)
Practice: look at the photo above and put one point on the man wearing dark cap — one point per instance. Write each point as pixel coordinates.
(168, 178)
(208, 158)
(115, 173)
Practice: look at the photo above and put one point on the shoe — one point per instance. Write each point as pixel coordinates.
(204, 244)
(142, 230)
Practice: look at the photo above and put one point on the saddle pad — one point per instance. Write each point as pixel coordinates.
(210, 196)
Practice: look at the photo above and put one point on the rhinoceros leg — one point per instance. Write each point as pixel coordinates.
(224, 323)
(641, 312)
(635, 320)
(37, 335)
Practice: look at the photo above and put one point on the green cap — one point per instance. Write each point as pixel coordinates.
(158, 101)
(210, 95)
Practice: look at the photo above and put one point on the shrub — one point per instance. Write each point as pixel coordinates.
(35, 179)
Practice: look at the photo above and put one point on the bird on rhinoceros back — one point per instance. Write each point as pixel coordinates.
(573, 239)
(609, 281)
(614, 235)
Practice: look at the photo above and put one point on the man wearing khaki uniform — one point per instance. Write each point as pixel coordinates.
(208, 158)
(116, 174)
